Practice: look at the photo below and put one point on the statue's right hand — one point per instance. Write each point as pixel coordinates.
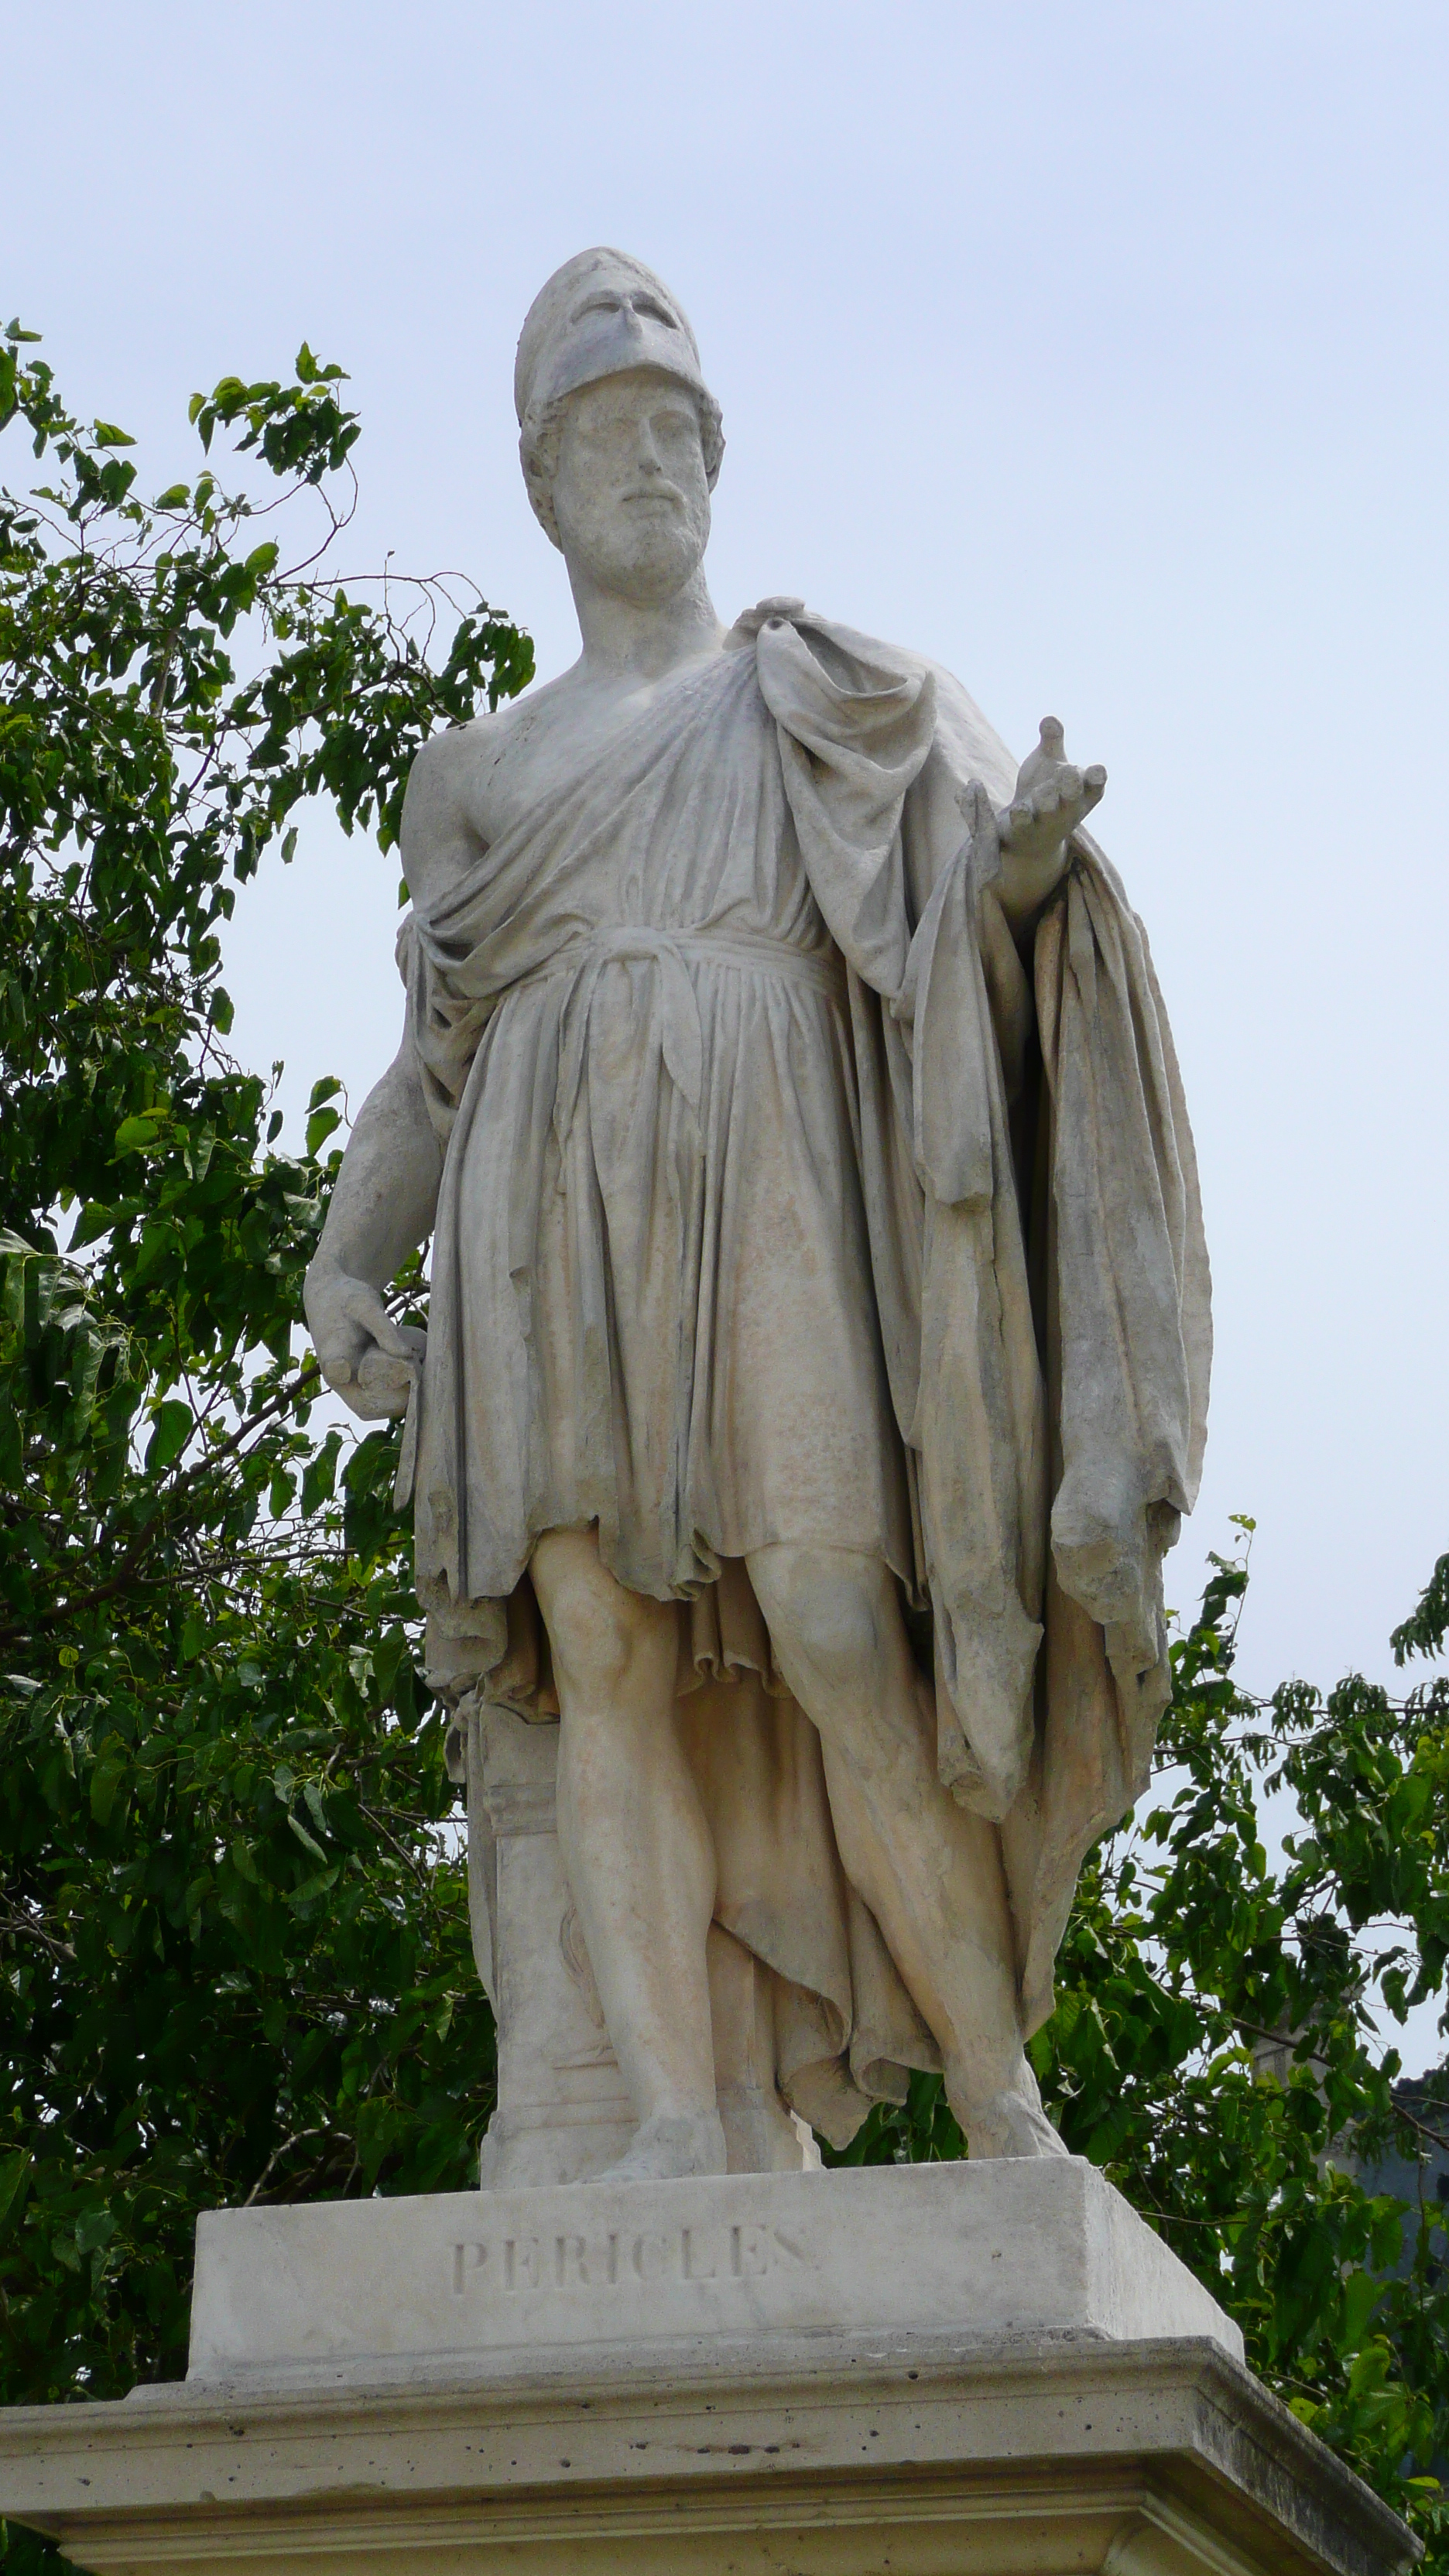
(367, 1359)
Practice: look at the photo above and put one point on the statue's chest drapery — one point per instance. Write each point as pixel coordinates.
(678, 821)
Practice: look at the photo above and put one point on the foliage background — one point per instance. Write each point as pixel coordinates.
(233, 1945)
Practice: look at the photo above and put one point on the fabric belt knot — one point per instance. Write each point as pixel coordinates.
(676, 1026)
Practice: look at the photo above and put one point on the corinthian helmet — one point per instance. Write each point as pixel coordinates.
(601, 314)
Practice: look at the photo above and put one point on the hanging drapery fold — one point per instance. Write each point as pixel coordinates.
(1051, 1478)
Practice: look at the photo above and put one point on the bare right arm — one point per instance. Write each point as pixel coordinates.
(382, 1208)
(387, 1190)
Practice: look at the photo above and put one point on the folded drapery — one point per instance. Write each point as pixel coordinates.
(1094, 1405)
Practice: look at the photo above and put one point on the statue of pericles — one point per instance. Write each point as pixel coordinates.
(819, 1310)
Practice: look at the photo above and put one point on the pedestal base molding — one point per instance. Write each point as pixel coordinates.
(882, 2457)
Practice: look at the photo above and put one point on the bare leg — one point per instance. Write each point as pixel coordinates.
(929, 1870)
(636, 1848)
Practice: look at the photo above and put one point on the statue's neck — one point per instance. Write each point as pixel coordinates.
(626, 639)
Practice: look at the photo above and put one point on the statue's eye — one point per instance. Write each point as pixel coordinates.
(656, 311)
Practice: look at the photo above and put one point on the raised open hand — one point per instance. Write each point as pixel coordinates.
(1052, 797)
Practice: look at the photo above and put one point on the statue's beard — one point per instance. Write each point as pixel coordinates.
(650, 556)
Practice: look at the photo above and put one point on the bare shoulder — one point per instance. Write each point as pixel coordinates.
(434, 835)
(440, 772)
(442, 827)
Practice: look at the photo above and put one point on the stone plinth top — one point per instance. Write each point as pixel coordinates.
(362, 2289)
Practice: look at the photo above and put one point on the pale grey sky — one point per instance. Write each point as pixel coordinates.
(1096, 350)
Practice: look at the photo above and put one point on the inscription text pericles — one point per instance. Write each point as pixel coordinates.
(741, 2252)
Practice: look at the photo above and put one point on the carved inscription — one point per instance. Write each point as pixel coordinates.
(622, 2259)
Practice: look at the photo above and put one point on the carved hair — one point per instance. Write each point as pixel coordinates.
(538, 447)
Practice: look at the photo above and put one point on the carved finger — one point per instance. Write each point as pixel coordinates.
(975, 807)
(365, 1307)
(1069, 784)
(1094, 780)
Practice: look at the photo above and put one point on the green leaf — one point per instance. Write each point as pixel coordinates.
(173, 1425)
(141, 1133)
(319, 1127)
(306, 1841)
(106, 1778)
(1362, 2294)
(94, 2229)
(319, 1481)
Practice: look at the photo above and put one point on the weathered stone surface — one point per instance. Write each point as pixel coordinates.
(563, 2112)
(1016, 2246)
(828, 2455)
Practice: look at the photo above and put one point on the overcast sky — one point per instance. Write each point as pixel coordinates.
(1096, 350)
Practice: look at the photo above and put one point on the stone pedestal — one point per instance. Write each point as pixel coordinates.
(370, 2289)
(944, 2371)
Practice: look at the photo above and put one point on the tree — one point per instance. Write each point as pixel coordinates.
(233, 1944)
(233, 1950)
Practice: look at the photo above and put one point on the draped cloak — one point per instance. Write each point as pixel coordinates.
(785, 1198)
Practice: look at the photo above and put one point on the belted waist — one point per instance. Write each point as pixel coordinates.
(825, 970)
(675, 1010)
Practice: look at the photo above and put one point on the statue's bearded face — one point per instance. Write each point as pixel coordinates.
(629, 491)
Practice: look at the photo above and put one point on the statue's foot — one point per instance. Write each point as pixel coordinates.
(1009, 2123)
(671, 2146)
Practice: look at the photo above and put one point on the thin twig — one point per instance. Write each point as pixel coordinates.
(277, 2153)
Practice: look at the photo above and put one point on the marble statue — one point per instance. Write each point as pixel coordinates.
(819, 1339)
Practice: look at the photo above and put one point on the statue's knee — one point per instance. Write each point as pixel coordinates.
(825, 1612)
(597, 1630)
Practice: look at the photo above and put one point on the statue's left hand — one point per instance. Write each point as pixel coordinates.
(1052, 797)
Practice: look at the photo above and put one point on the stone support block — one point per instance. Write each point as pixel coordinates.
(376, 2287)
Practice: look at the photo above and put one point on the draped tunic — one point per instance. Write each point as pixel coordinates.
(652, 1239)
(783, 1199)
